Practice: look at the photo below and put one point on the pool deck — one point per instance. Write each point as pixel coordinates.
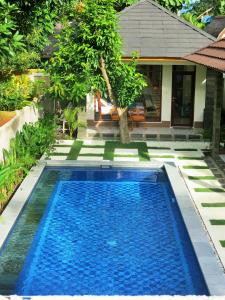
(206, 195)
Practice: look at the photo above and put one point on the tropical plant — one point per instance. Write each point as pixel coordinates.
(27, 146)
(71, 116)
(10, 39)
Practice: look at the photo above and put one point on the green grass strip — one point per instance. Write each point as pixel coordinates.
(63, 146)
(161, 156)
(202, 177)
(208, 190)
(160, 148)
(222, 243)
(141, 146)
(217, 222)
(185, 149)
(216, 204)
(190, 158)
(75, 150)
(195, 167)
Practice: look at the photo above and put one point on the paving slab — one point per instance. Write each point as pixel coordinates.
(62, 150)
(119, 151)
(191, 162)
(189, 153)
(131, 159)
(161, 152)
(92, 150)
(162, 159)
(65, 142)
(203, 183)
(211, 197)
(196, 172)
(93, 143)
(58, 157)
(90, 158)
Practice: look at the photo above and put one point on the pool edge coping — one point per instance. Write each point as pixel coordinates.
(207, 256)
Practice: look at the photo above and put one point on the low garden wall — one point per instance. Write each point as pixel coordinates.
(28, 114)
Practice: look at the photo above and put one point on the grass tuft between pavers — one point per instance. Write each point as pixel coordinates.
(190, 158)
(58, 154)
(110, 147)
(202, 177)
(216, 204)
(195, 167)
(209, 190)
(222, 243)
(217, 222)
(185, 149)
(75, 150)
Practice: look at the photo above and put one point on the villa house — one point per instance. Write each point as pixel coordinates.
(176, 92)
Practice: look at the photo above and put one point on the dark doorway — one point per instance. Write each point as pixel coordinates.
(183, 95)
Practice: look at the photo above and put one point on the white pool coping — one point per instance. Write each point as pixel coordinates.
(208, 260)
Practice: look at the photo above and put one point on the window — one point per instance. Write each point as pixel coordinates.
(151, 96)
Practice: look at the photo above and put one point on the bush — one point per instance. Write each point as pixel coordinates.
(16, 93)
(27, 146)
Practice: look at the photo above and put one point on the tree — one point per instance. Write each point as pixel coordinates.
(25, 27)
(173, 5)
(89, 55)
(10, 39)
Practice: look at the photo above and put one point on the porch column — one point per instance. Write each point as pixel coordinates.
(166, 93)
(200, 94)
(218, 100)
(90, 109)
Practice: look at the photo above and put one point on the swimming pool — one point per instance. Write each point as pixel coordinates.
(93, 231)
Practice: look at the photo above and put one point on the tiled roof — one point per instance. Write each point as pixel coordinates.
(153, 31)
(212, 56)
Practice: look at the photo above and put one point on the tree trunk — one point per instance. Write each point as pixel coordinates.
(123, 123)
(122, 112)
(106, 78)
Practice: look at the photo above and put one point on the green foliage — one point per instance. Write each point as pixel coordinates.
(173, 5)
(127, 84)
(71, 116)
(25, 149)
(193, 19)
(16, 93)
(10, 39)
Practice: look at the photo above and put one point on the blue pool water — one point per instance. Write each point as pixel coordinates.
(111, 232)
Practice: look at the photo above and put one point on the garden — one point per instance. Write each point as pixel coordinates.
(83, 55)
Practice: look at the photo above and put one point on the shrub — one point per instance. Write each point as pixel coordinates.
(16, 93)
(27, 146)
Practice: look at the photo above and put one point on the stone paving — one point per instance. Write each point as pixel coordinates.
(206, 190)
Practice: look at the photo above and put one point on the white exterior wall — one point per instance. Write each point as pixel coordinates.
(90, 107)
(28, 114)
(166, 93)
(200, 93)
